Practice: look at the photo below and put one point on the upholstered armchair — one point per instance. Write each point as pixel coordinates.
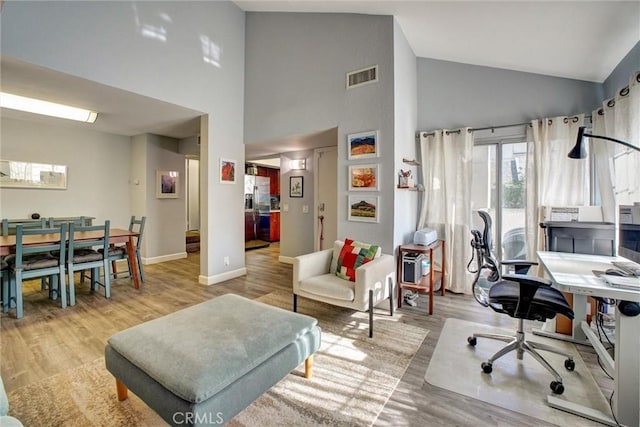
(314, 277)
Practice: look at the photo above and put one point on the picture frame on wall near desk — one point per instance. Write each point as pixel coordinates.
(363, 208)
(364, 177)
(167, 184)
(296, 186)
(362, 145)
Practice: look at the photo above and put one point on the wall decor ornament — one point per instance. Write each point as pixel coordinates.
(14, 174)
(363, 177)
(167, 184)
(228, 170)
(296, 186)
(364, 208)
(362, 145)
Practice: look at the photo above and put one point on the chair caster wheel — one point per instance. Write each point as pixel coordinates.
(570, 364)
(472, 341)
(488, 367)
(556, 387)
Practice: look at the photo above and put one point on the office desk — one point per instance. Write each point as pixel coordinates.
(116, 235)
(573, 273)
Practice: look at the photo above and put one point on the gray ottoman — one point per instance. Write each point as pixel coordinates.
(206, 363)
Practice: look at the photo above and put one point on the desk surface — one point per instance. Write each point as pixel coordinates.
(574, 273)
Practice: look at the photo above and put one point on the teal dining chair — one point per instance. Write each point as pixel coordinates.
(33, 261)
(9, 226)
(120, 252)
(83, 255)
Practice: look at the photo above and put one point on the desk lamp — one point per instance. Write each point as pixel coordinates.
(579, 152)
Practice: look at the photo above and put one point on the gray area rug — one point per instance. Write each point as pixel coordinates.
(519, 385)
(353, 377)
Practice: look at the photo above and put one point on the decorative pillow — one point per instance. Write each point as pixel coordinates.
(352, 256)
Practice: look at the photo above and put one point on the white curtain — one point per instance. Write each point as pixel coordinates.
(618, 167)
(447, 158)
(553, 179)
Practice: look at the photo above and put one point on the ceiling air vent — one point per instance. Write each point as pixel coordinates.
(361, 77)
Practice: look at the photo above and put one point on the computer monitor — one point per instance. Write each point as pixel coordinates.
(629, 242)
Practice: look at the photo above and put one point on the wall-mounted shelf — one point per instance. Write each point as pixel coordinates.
(411, 162)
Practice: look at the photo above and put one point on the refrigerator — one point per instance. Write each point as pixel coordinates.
(257, 205)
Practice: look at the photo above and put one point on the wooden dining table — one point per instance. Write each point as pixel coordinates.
(116, 235)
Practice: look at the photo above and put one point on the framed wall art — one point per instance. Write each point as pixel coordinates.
(228, 171)
(167, 184)
(364, 177)
(15, 174)
(296, 186)
(362, 145)
(364, 208)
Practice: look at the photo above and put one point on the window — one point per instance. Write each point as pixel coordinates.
(499, 188)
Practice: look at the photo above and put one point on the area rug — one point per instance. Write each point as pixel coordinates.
(353, 377)
(519, 385)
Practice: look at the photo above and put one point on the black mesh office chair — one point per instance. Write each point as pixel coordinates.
(519, 296)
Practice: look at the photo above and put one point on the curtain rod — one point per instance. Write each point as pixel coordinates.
(566, 120)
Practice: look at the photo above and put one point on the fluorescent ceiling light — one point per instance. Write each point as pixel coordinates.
(37, 106)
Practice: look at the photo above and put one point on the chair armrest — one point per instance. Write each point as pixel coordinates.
(309, 265)
(521, 266)
(527, 280)
(373, 275)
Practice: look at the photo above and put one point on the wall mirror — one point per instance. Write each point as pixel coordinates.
(14, 174)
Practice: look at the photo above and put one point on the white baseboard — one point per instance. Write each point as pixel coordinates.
(285, 259)
(163, 258)
(217, 278)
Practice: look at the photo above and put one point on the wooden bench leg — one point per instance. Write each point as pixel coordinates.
(308, 366)
(122, 390)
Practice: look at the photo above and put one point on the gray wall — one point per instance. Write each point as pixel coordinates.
(405, 122)
(296, 227)
(453, 95)
(63, 36)
(97, 172)
(620, 76)
(296, 67)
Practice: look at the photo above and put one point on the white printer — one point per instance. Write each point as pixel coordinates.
(425, 236)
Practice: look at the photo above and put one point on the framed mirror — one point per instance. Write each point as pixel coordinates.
(14, 174)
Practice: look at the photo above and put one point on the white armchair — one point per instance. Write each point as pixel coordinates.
(314, 278)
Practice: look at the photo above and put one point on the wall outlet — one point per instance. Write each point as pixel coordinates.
(305, 208)
(285, 207)
(226, 260)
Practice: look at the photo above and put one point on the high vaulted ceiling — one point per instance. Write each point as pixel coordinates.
(582, 40)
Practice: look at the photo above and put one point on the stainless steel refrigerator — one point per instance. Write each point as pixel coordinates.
(257, 207)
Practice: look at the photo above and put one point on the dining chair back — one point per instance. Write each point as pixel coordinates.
(31, 261)
(83, 255)
(9, 226)
(79, 221)
(120, 252)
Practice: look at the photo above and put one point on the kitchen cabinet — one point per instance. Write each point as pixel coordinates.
(274, 179)
(275, 227)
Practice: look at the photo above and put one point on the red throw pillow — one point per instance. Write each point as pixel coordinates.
(352, 256)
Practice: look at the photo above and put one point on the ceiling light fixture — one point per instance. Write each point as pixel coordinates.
(37, 106)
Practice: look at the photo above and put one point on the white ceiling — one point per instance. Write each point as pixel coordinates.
(574, 39)
(582, 40)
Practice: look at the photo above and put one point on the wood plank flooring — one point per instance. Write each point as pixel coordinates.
(49, 340)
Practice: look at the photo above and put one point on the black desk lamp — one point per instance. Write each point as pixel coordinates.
(579, 152)
(628, 308)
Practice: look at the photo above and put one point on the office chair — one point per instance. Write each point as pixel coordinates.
(518, 295)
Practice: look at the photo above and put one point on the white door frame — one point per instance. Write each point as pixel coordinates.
(317, 153)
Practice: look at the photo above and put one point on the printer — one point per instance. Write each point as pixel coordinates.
(425, 236)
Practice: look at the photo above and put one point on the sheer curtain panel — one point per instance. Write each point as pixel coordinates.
(553, 179)
(446, 168)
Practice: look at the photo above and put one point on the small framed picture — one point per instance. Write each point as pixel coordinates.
(363, 177)
(296, 186)
(363, 208)
(363, 145)
(167, 184)
(227, 171)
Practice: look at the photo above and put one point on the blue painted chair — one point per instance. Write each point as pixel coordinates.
(9, 227)
(120, 252)
(35, 261)
(84, 256)
(80, 220)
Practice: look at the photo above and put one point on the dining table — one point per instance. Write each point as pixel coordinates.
(116, 235)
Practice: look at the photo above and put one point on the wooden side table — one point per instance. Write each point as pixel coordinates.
(427, 282)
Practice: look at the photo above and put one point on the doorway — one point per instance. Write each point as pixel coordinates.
(193, 205)
(326, 200)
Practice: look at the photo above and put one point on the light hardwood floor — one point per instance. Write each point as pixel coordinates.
(49, 340)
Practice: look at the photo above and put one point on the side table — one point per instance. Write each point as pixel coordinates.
(428, 281)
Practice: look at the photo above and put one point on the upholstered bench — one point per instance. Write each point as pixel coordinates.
(206, 363)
